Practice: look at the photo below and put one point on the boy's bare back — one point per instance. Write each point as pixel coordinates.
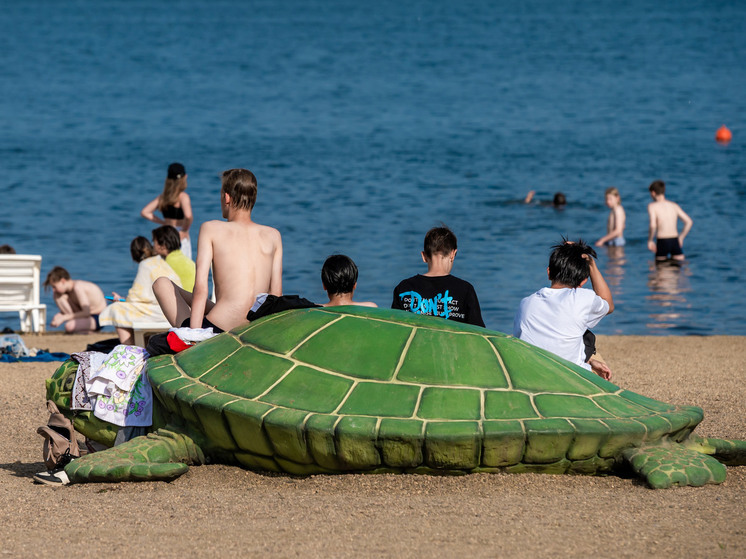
(246, 260)
(617, 219)
(80, 296)
(89, 294)
(664, 215)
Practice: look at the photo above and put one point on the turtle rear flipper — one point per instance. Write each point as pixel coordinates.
(160, 456)
(729, 452)
(666, 465)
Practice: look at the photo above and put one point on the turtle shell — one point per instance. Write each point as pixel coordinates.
(360, 389)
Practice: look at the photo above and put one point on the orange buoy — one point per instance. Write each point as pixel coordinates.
(723, 135)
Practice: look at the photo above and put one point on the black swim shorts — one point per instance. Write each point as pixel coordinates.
(668, 246)
(205, 324)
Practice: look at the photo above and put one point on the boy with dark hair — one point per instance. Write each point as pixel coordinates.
(80, 302)
(664, 216)
(167, 244)
(558, 318)
(438, 293)
(339, 278)
(558, 200)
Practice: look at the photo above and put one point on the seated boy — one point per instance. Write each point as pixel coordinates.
(80, 302)
(556, 318)
(438, 293)
(339, 278)
(245, 258)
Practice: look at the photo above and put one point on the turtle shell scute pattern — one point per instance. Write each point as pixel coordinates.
(356, 389)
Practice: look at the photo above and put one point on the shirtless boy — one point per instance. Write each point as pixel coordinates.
(664, 216)
(80, 302)
(617, 219)
(339, 278)
(246, 259)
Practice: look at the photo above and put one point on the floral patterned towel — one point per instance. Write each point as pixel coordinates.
(123, 395)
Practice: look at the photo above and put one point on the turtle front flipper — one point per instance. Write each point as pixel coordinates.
(160, 456)
(729, 452)
(665, 465)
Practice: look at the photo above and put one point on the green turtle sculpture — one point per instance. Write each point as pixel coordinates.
(349, 389)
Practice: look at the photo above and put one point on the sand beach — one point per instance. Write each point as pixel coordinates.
(226, 510)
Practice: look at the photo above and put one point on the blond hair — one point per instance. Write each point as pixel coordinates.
(613, 191)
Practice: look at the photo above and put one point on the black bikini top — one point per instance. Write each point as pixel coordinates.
(172, 212)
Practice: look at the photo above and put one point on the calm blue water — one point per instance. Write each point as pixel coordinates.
(368, 123)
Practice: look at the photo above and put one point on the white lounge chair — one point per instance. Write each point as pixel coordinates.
(20, 282)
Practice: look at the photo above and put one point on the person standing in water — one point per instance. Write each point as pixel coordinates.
(664, 218)
(617, 219)
(175, 205)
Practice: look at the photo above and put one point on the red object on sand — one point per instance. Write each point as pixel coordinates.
(723, 135)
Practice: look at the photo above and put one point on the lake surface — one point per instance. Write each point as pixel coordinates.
(367, 124)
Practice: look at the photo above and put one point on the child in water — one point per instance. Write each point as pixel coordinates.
(617, 219)
(664, 218)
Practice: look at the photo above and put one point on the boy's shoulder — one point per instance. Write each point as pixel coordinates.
(657, 205)
(218, 225)
(267, 229)
(84, 284)
(564, 295)
(663, 202)
(407, 281)
(448, 281)
(457, 280)
(213, 225)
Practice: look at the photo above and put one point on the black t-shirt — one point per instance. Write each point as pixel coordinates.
(448, 297)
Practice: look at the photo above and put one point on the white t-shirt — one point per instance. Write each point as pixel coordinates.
(556, 319)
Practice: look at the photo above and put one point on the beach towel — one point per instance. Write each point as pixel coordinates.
(89, 362)
(41, 355)
(120, 386)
